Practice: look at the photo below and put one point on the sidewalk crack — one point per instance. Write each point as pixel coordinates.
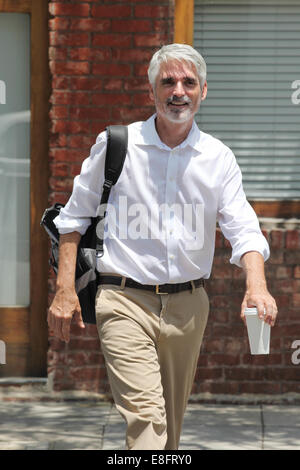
(262, 423)
(104, 426)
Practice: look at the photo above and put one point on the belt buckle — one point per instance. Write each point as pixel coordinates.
(157, 290)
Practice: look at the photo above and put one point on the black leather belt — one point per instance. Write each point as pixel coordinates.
(158, 289)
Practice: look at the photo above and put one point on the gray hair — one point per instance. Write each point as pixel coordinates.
(177, 52)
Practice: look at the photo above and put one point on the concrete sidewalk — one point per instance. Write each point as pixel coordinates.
(94, 425)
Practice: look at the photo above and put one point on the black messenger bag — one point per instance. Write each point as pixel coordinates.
(91, 244)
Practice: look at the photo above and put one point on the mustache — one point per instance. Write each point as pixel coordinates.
(181, 100)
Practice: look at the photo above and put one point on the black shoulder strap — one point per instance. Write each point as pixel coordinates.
(117, 142)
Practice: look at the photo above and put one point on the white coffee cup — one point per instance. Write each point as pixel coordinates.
(259, 332)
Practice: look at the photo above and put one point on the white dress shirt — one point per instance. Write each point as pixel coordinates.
(162, 212)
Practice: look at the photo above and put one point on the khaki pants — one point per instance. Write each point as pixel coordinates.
(151, 344)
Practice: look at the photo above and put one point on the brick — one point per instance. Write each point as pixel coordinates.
(276, 257)
(142, 99)
(160, 25)
(65, 155)
(58, 140)
(151, 11)
(140, 70)
(65, 97)
(58, 53)
(203, 373)
(297, 272)
(89, 113)
(228, 388)
(150, 40)
(111, 99)
(224, 359)
(63, 9)
(111, 11)
(260, 387)
(69, 68)
(58, 112)
(283, 286)
(59, 24)
(292, 257)
(86, 83)
(90, 24)
(292, 240)
(222, 272)
(57, 184)
(131, 26)
(81, 141)
(277, 239)
(59, 82)
(112, 40)
(112, 84)
(132, 55)
(213, 345)
(75, 170)
(59, 169)
(244, 373)
(284, 272)
(128, 115)
(77, 127)
(86, 53)
(296, 300)
(121, 70)
(68, 39)
(86, 373)
(136, 84)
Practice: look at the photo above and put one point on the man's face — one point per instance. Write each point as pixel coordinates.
(177, 93)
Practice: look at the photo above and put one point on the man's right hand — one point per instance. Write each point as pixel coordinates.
(65, 305)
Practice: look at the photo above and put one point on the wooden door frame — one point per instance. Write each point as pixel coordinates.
(33, 318)
(184, 33)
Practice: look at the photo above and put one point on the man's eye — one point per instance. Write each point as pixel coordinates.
(168, 81)
(190, 82)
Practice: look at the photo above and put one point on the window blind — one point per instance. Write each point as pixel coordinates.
(252, 51)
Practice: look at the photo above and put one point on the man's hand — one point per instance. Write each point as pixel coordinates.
(263, 301)
(257, 294)
(65, 305)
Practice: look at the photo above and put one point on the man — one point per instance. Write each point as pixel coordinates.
(151, 306)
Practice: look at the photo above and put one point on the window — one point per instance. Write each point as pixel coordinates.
(23, 185)
(252, 53)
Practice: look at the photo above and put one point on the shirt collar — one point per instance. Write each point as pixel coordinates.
(149, 136)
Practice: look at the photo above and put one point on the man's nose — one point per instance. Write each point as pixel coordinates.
(179, 89)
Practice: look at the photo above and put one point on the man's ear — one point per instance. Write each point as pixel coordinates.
(204, 91)
(151, 93)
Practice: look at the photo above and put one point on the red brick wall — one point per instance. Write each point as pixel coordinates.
(99, 53)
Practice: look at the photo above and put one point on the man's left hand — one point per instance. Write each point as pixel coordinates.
(264, 302)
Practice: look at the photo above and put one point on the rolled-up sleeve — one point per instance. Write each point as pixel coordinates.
(236, 217)
(87, 188)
